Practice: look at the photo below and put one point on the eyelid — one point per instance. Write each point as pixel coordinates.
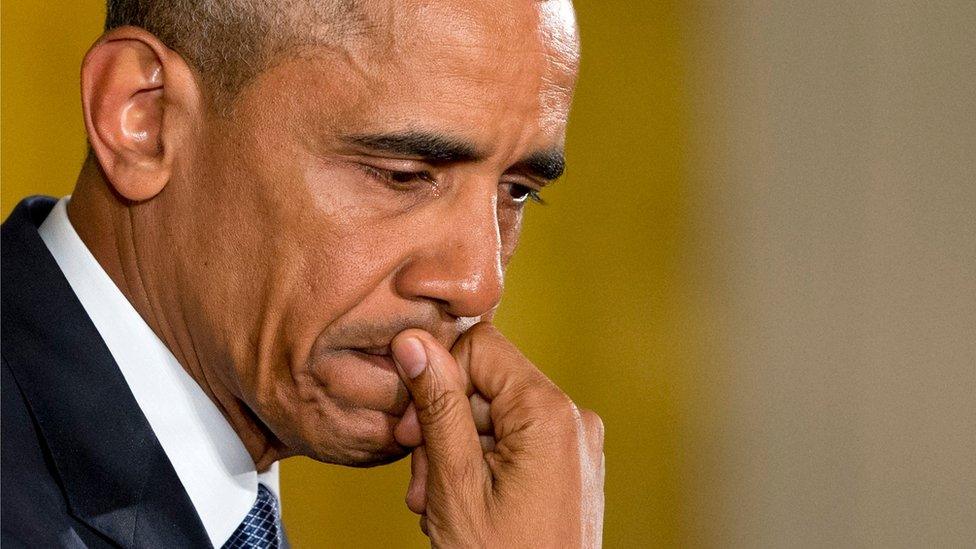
(526, 181)
(386, 173)
(404, 165)
(389, 177)
(532, 179)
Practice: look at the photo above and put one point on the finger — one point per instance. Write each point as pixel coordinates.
(520, 396)
(593, 467)
(423, 525)
(481, 411)
(494, 365)
(407, 432)
(438, 391)
(593, 431)
(417, 491)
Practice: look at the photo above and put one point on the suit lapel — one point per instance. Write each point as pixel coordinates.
(115, 475)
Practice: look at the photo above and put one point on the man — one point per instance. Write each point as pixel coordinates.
(289, 237)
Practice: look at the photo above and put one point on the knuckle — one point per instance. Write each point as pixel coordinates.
(562, 406)
(531, 400)
(484, 329)
(462, 349)
(479, 333)
(444, 407)
(594, 425)
(481, 339)
(476, 347)
(547, 412)
(540, 398)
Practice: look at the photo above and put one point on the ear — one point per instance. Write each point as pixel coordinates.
(140, 102)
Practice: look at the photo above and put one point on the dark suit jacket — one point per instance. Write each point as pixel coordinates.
(80, 464)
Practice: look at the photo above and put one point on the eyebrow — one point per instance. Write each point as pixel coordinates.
(439, 149)
(433, 148)
(548, 165)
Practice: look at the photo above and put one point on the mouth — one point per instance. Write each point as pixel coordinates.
(380, 357)
(375, 351)
(367, 378)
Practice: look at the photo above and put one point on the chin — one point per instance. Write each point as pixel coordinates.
(356, 441)
(361, 454)
(373, 460)
(342, 408)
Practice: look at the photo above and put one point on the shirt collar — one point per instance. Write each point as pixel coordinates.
(210, 460)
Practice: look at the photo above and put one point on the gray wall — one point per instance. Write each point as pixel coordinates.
(834, 159)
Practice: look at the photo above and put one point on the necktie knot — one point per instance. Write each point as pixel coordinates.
(261, 528)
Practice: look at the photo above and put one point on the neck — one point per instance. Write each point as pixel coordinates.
(105, 222)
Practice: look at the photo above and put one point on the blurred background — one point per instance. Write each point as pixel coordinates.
(760, 269)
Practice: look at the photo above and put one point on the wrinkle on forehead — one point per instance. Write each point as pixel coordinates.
(503, 27)
(517, 58)
(557, 23)
(389, 29)
(560, 35)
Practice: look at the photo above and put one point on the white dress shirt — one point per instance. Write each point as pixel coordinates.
(216, 470)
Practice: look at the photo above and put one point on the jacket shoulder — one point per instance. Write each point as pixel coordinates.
(33, 510)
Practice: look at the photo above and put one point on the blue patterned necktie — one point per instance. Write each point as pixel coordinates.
(261, 527)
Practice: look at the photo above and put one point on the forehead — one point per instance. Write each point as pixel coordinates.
(491, 65)
(496, 32)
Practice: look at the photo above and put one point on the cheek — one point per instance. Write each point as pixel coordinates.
(290, 248)
(509, 229)
(345, 250)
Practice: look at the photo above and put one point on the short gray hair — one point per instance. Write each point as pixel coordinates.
(231, 41)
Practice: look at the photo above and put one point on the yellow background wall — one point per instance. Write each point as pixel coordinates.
(594, 295)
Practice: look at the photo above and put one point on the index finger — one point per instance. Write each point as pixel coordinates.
(494, 365)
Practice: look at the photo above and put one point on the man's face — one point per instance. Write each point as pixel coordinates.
(358, 191)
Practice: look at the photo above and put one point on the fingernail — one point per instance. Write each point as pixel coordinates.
(409, 353)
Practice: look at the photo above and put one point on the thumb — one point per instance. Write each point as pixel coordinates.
(437, 387)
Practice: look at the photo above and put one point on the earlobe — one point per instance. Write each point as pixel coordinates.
(125, 96)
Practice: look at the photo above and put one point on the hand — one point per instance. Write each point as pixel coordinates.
(535, 481)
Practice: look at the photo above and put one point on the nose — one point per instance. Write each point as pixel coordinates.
(457, 259)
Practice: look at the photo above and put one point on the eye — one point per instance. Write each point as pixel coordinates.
(397, 178)
(408, 177)
(521, 193)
